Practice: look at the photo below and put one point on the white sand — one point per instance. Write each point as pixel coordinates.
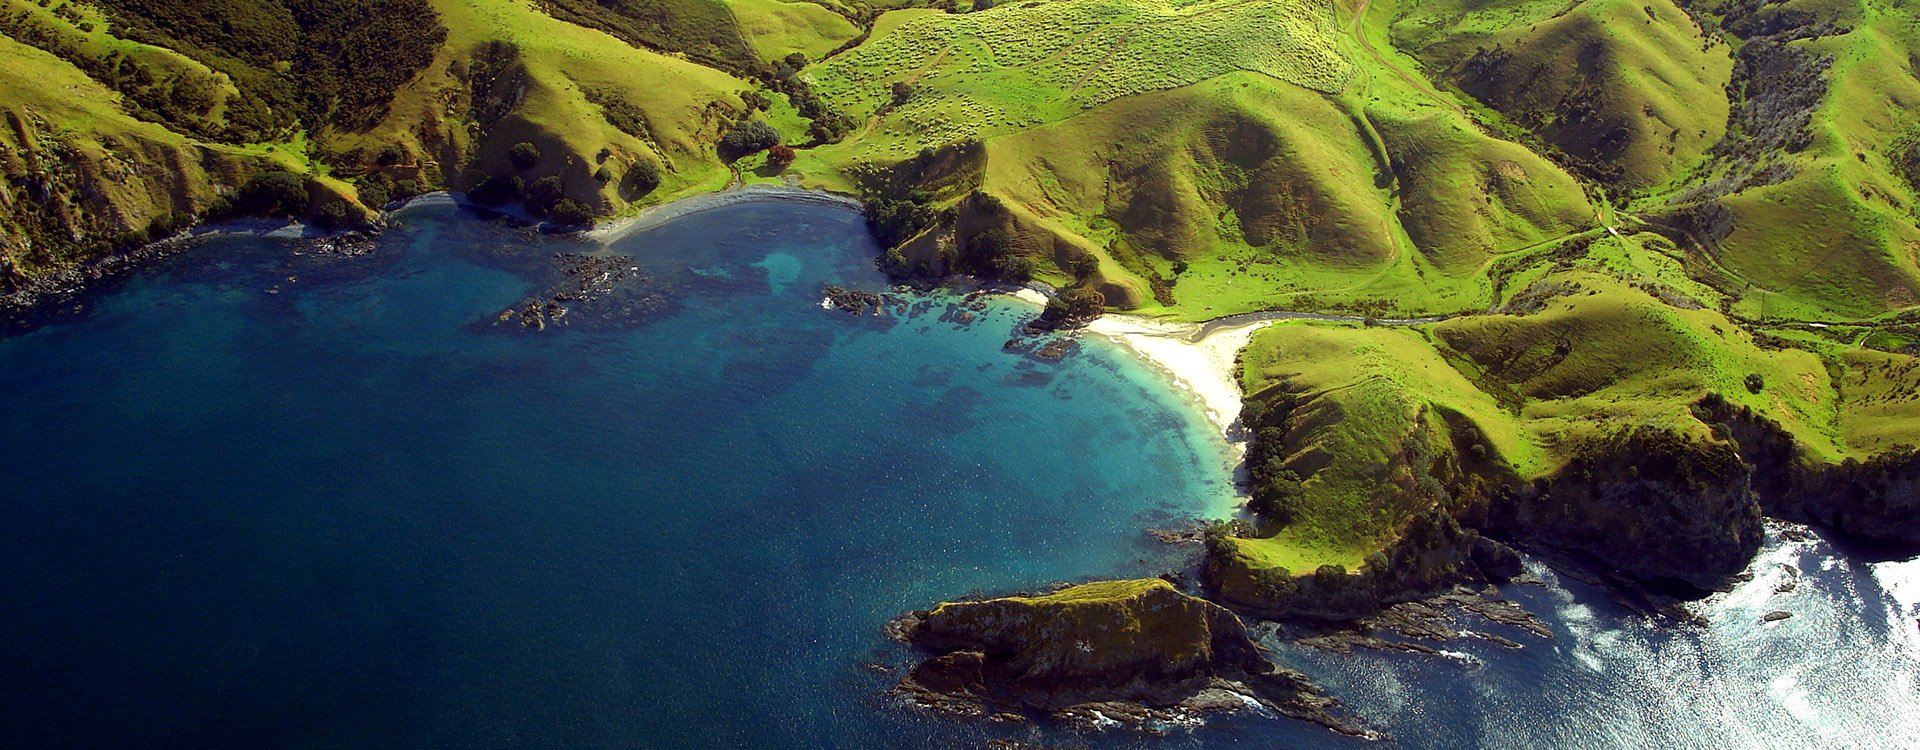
(656, 215)
(1205, 367)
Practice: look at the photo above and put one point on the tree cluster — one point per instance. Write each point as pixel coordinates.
(894, 221)
(747, 137)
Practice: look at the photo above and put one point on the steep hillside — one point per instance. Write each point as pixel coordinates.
(1629, 93)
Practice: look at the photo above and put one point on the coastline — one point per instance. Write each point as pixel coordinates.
(653, 216)
(1203, 361)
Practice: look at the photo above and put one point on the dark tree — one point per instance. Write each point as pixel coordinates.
(746, 137)
(335, 215)
(545, 193)
(569, 212)
(524, 155)
(498, 189)
(275, 193)
(642, 178)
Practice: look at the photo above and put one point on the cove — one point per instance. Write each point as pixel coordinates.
(264, 499)
(260, 496)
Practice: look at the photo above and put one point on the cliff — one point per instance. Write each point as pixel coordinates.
(1875, 501)
(1648, 502)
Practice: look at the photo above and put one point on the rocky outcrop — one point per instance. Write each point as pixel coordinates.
(1113, 651)
(1431, 555)
(1649, 503)
(1876, 501)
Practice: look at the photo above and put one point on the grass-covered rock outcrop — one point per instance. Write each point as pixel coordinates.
(1128, 649)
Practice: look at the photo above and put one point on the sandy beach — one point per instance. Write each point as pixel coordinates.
(665, 212)
(1204, 365)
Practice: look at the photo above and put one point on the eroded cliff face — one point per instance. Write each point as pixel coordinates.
(1647, 502)
(1876, 501)
(1124, 649)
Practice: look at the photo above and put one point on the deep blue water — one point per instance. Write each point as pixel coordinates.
(260, 499)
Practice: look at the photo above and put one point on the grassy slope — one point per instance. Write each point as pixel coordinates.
(777, 28)
(684, 105)
(1839, 239)
(1317, 180)
(1362, 394)
(1618, 84)
(107, 173)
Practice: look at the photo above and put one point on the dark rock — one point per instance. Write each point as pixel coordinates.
(1098, 654)
(1432, 619)
(856, 302)
(1874, 502)
(1498, 562)
(591, 291)
(1655, 505)
(1776, 616)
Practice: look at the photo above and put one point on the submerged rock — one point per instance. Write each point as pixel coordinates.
(590, 291)
(1114, 652)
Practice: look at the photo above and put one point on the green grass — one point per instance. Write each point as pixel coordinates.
(1362, 394)
(684, 103)
(1632, 88)
(777, 28)
(1021, 65)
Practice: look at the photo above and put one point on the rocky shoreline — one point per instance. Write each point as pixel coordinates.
(27, 303)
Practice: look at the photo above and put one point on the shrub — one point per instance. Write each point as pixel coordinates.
(524, 155)
(404, 189)
(603, 174)
(1277, 493)
(373, 193)
(497, 189)
(570, 212)
(1075, 305)
(645, 175)
(1014, 267)
(895, 221)
(390, 155)
(1084, 266)
(545, 193)
(336, 214)
(780, 156)
(1755, 383)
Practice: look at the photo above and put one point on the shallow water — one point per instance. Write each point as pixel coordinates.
(261, 499)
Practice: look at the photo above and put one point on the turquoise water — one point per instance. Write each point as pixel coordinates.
(256, 498)
(352, 512)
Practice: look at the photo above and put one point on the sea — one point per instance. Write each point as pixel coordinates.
(263, 495)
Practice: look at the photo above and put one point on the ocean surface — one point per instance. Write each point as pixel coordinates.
(257, 496)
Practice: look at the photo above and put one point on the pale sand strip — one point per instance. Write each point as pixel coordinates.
(666, 212)
(1206, 366)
